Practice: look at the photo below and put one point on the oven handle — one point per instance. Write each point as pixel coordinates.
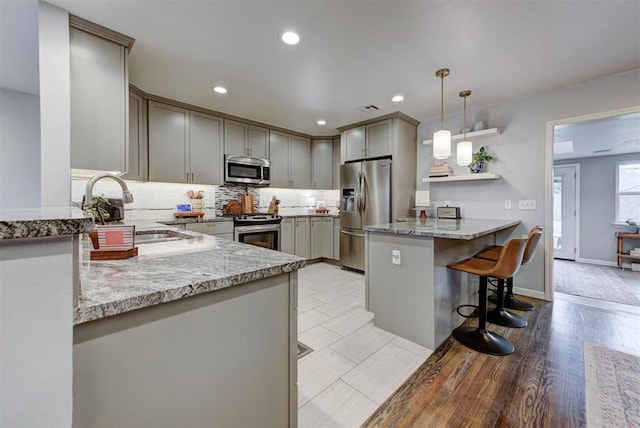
(258, 228)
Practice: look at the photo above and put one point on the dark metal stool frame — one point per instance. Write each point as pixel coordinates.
(479, 338)
(499, 315)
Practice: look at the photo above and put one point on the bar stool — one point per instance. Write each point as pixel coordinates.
(479, 338)
(499, 315)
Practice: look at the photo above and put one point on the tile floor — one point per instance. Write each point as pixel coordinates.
(354, 366)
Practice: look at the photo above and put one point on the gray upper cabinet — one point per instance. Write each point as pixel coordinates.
(322, 168)
(336, 163)
(290, 160)
(367, 141)
(205, 148)
(138, 161)
(353, 144)
(184, 146)
(99, 103)
(244, 139)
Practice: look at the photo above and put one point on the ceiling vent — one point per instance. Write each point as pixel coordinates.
(370, 108)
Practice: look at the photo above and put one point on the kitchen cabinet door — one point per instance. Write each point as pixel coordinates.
(279, 152)
(258, 142)
(322, 164)
(205, 148)
(302, 237)
(287, 235)
(353, 144)
(99, 91)
(168, 143)
(235, 138)
(316, 238)
(336, 239)
(326, 232)
(336, 163)
(300, 162)
(378, 138)
(138, 144)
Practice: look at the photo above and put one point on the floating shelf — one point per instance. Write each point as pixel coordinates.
(483, 133)
(464, 177)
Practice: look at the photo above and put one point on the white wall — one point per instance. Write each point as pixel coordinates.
(55, 106)
(520, 154)
(19, 150)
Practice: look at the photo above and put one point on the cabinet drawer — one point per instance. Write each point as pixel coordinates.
(212, 228)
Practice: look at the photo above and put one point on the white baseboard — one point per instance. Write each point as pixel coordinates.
(597, 262)
(529, 293)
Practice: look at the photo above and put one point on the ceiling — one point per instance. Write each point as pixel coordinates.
(356, 53)
(598, 137)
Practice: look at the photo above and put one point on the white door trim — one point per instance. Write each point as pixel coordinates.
(548, 188)
(576, 233)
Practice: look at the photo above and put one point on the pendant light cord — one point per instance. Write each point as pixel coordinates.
(464, 130)
(442, 101)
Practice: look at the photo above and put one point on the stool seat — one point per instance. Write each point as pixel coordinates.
(508, 263)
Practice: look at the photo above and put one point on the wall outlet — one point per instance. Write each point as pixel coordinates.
(528, 204)
(507, 204)
(447, 203)
(395, 257)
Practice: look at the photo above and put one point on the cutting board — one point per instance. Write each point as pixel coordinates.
(232, 207)
(247, 203)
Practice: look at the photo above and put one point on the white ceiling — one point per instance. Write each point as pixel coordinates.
(355, 53)
(600, 137)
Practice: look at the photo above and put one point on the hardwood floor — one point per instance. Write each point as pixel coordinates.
(540, 385)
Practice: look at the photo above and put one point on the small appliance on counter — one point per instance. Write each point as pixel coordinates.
(448, 212)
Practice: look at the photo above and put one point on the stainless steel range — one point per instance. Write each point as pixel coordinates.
(262, 230)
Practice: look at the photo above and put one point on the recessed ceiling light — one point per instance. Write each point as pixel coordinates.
(290, 38)
(321, 122)
(397, 98)
(220, 89)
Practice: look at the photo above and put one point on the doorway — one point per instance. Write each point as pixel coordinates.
(566, 209)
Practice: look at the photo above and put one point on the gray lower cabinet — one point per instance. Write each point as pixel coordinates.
(302, 237)
(137, 165)
(290, 160)
(184, 146)
(327, 237)
(99, 100)
(316, 238)
(336, 238)
(322, 164)
(244, 139)
(220, 229)
(287, 235)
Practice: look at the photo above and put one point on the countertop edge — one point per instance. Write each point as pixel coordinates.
(43, 222)
(410, 230)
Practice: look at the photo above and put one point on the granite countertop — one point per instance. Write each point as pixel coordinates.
(168, 271)
(465, 228)
(43, 222)
(333, 215)
(195, 220)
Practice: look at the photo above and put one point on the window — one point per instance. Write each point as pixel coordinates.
(628, 191)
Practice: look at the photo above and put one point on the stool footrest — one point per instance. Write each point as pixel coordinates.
(483, 341)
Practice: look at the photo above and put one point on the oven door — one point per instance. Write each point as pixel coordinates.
(265, 236)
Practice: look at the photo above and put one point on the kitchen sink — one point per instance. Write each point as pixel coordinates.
(156, 236)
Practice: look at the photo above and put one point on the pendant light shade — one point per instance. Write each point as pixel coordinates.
(442, 138)
(464, 149)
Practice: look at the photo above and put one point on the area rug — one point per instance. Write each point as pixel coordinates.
(303, 350)
(596, 282)
(612, 387)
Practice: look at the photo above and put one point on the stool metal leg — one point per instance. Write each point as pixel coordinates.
(480, 339)
(501, 317)
(512, 302)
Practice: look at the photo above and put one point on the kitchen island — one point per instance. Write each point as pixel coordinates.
(408, 286)
(199, 331)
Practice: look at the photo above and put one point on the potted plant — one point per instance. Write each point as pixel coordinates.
(630, 227)
(95, 208)
(478, 161)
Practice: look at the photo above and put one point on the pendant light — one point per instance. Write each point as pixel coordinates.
(464, 149)
(442, 138)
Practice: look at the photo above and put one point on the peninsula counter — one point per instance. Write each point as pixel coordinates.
(408, 286)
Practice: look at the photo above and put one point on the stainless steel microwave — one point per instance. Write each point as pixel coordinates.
(246, 170)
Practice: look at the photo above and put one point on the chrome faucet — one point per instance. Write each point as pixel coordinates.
(127, 197)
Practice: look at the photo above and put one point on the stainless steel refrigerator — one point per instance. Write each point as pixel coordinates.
(365, 199)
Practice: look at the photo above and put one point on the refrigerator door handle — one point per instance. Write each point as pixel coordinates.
(359, 194)
(351, 233)
(363, 192)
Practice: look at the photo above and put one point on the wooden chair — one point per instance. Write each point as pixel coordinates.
(499, 315)
(479, 338)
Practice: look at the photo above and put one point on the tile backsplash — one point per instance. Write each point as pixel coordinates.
(157, 201)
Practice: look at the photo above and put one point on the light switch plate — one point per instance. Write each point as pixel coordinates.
(395, 257)
(507, 204)
(528, 204)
